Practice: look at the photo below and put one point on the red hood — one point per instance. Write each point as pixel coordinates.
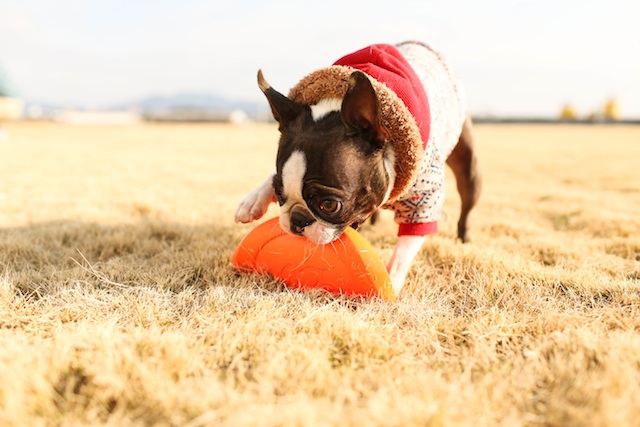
(386, 64)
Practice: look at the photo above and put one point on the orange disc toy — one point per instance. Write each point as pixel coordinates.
(348, 265)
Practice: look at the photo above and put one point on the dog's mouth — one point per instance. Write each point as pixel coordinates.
(309, 228)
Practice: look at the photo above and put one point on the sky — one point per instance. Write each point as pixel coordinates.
(515, 58)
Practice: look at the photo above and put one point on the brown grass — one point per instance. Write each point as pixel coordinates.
(118, 305)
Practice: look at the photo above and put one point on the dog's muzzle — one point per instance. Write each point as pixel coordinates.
(300, 219)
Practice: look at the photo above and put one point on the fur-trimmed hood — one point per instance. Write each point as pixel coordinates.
(403, 104)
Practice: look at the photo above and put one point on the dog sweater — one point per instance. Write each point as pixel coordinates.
(418, 210)
(421, 106)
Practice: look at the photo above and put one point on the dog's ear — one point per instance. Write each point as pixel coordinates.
(284, 110)
(360, 110)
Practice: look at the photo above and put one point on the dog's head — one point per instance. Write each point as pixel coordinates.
(334, 167)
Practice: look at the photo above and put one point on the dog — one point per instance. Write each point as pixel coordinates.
(374, 130)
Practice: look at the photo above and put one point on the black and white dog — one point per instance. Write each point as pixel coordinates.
(373, 130)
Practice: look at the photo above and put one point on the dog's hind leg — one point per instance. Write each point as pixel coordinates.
(464, 164)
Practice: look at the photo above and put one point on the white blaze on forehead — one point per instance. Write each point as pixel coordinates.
(324, 107)
(292, 177)
(293, 173)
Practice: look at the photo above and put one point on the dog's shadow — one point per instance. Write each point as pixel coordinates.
(41, 258)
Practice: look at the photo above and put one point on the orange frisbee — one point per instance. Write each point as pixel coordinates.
(348, 265)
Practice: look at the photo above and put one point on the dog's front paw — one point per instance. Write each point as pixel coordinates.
(251, 208)
(403, 255)
(256, 203)
(397, 280)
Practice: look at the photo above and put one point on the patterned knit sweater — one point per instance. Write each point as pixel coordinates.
(421, 106)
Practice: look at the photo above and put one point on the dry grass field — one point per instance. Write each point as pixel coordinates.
(118, 305)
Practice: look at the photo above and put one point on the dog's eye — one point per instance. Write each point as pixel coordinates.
(330, 206)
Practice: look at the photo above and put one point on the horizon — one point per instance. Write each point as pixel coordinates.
(515, 59)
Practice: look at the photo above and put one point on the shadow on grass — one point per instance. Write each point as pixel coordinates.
(42, 258)
(46, 259)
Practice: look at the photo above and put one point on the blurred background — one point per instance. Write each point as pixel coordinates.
(194, 60)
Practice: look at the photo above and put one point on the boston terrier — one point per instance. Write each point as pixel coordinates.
(372, 131)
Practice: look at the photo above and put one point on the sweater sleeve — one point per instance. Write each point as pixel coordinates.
(417, 212)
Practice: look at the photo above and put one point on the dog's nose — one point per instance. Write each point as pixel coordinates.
(299, 222)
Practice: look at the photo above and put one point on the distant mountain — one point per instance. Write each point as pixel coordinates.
(180, 107)
(190, 102)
